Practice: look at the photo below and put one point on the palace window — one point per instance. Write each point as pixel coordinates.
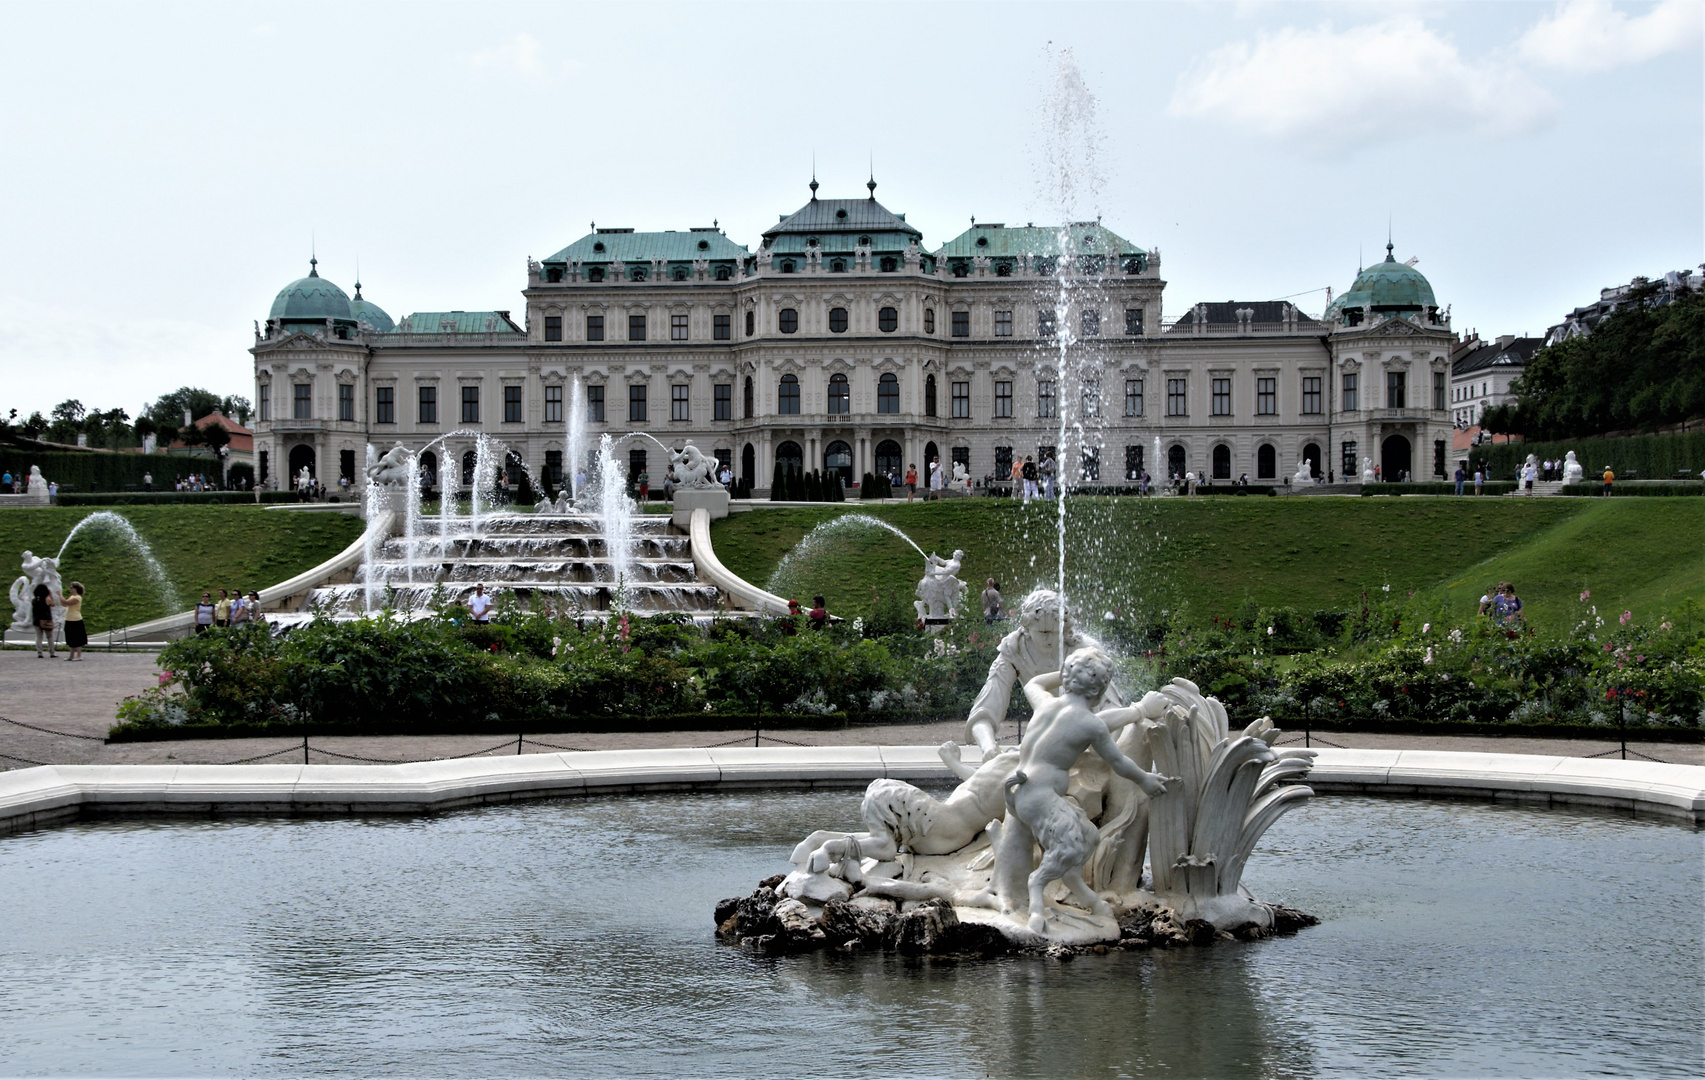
(594, 328)
(840, 397)
(511, 404)
(929, 320)
(1133, 463)
(1266, 397)
(722, 400)
(1045, 319)
(302, 403)
(751, 323)
(470, 404)
(720, 328)
(838, 320)
(1348, 459)
(838, 266)
(961, 324)
(890, 264)
(929, 395)
(1177, 397)
(888, 320)
(787, 320)
(637, 274)
(345, 401)
(595, 274)
(888, 394)
(1003, 463)
(1350, 391)
(636, 327)
(680, 405)
(636, 404)
(1311, 395)
(553, 327)
(1438, 390)
(595, 404)
(553, 404)
(1045, 398)
(787, 266)
(1221, 405)
(787, 396)
(1091, 463)
(961, 401)
(265, 401)
(1134, 322)
(384, 405)
(723, 273)
(746, 399)
(429, 404)
(1003, 399)
(1092, 324)
(1091, 400)
(680, 273)
(1133, 397)
(1003, 324)
(1396, 390)
(677, 328)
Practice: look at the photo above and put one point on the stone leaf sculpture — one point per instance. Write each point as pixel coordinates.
(940, 591)
(693, 468)
(394, 469)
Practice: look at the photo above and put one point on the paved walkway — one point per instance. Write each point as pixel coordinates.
(81, 699)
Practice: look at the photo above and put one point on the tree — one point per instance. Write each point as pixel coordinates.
(169, 410)
(34, 426)
(237, 408)
(213, 436)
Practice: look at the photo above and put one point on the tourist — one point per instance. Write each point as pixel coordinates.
(1486, 600)
(1017, 472)
(222, 609)
(790, 625)
(819, 614)
(204, 613)
(991, 602)
(76, 634)
(256, 615)
(725, 477)
(479, 605)
(937, 478)
(644, 486)
(911, 481)
(1049, 471)
(6, 481)
(41, 617)
(1030, 475)
(147, 481)
(1507, 606)
(1609, 479)
(53, 492)
(1146, 482)
(1190, 482)
(239, 609)
(1479, 476)
(1527, 473)
(1461, 477)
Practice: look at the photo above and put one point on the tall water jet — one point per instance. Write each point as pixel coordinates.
(106, 519)
(575, 450)
(446, 500)
(615, 511)
(411, 514)
(485, 478)
(377, 501)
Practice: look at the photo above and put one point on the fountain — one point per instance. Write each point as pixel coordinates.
(788, 577)
(574, 450)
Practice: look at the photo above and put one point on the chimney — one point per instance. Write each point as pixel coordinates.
(1504, 340)
(187, 420)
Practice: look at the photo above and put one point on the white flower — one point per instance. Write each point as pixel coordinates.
(1426, 626)
(1269, 631)
(1429, 654)
(1385, 588)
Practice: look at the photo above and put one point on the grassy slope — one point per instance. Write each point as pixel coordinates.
(200, 547)
(1212, 553)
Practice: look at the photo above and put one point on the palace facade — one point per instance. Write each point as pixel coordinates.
(843, 343)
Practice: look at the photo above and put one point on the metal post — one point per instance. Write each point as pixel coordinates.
(1622, 720)
(518, 740)
(304, 748)
(757, 729)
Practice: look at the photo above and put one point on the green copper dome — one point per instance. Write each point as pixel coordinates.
(1387, 286)
(369, 315)
(311, 299)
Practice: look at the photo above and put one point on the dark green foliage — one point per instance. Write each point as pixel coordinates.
(778, 483)
(1647, 457)
(1490, 487)
(92, 470)
(1638, 489)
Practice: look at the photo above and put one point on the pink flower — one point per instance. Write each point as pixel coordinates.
(1627, 617)
(166, 677)
(1586, 594)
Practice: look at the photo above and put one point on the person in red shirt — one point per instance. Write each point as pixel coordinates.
(911, 481)
(819, 613)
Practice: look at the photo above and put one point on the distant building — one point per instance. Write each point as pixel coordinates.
(1481, 373)
(1580, 322)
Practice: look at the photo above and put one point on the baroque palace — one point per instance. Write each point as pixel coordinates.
(844, 344)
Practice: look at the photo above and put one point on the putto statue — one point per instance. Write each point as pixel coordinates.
(394, 469)
(692, 468)
(1304, 474)
(38, 570)
(38, 483)
(1368, 475)
(1572, 470)
(939, 593)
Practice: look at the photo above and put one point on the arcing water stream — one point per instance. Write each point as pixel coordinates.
(106, 520)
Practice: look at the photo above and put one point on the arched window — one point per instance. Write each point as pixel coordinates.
(787, 266)
(595, 274)
(961, 269)
(751, 323)
(840, 397)
(889, 265)
(428, 469)
(888, 461)
(1266, 462)
(929, 395)
(1222, 462)
(301, 456)
(930, 454)
(722, 273)
(838, 320)
(680, 273)
(837, 457)
(1175, 462)
(787, 396)
(787, 320)
(888, 394)
(888, 319)
(468, 469)
(637, 274)
(789, 455)
(748, 398)
(748, 462)
(929, 320)
(1311, 454)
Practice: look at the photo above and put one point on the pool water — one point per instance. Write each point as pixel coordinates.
(574, 937)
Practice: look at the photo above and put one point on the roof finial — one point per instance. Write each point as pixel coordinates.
(813, 175)
(358, 277)
(313, 255)
(1389, 257)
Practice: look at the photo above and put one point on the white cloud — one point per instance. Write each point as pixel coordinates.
(1591, 35)
(1363, 84)
(521, 54)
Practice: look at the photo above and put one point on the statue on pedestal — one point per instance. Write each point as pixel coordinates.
(394, 469)
(38, 570)
(939, 593)
(1368, 475)
(693, 468)
(1572, 470)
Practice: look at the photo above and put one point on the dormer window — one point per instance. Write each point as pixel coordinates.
(637, 274)
(960, 269)
(1003, 269)
(982, 241)
(722, 273)
(704, 245)
(595, 274)
(889, 266)
(680, 273)
(838, 266)
(810, 241)
(554, 274)
(787, 266)
(841, 214)
(864, 241)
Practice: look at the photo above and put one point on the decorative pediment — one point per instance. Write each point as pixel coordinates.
(888, 366)
(638, 377)
(788, 365)
(1350, 364)
(839, 366)
(1394, 361)
(1003, 370)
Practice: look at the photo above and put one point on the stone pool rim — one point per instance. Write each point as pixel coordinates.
(49, 794)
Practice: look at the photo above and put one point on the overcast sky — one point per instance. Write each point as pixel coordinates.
(165, 168)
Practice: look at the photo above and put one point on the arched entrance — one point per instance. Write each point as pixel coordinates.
(1394, 458)
(1175, 462)
(1311, 454)
(837, 457)
(748, 462)
(1222, 462)
(888, 459)
(1266, 462)
(301, 457)
(790, 456)
(468, 461)
(930, 454)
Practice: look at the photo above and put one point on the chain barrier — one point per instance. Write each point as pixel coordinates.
(741, 741)
(25, 760)
(50, 731)
(1311, 739)
(407, 761)
(1625, 752)
(555, 746)
(291, 749)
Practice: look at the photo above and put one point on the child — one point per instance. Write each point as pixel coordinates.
(819, 613)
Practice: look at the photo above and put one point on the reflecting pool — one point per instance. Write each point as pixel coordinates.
(574, 937)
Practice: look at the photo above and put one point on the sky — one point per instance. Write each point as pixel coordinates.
(165, 169)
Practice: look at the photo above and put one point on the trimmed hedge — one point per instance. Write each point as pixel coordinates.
(156, 498)
(1652, 457)
(1490, 487)
(91, 470)
(1637, 488)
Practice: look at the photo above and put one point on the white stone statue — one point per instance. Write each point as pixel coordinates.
(961, 476)
(1304, 475)
(563, 503)
(1368, 476)
(544, 505)
(304, 478)
(1572, 470)
(38, 570)
(37, 484)
(940, 592)
(394, 469)
(692, 468)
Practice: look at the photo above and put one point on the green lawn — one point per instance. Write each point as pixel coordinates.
(199, 547)
(1207, 555)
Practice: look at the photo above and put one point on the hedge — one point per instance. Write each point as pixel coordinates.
(1637, 488)
(1004, 491)
(91, 470)
(156, 498)
(1430, 487)
(1650, 457)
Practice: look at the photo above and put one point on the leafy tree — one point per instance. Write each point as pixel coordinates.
(34, 427)
(237, 408)
(168, 411)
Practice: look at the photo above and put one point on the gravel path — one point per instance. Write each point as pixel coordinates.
(81, 699)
